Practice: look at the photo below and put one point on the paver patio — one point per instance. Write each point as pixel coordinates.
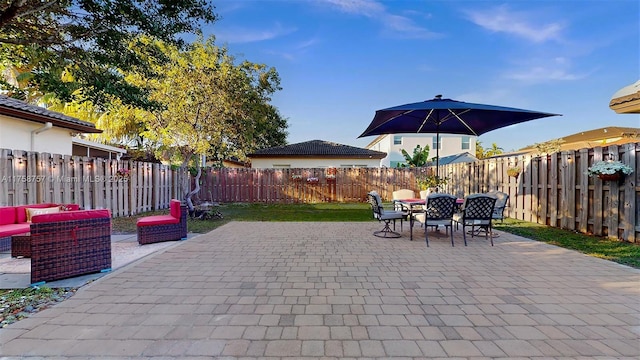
(252, 290)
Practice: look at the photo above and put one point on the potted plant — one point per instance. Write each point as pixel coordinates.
(609, 170)
(426, 182)
(513, 171)
(312, 180)
(123, 173)
(296, 178)
(330, 174)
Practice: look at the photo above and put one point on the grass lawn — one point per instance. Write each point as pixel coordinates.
(620, 252)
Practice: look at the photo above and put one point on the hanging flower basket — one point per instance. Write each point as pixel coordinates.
(611, 177)
(296, 178)
(609, 170)
(513, 171)
(313, 180)
(123, 173)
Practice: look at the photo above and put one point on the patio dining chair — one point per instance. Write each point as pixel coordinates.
(477, 212)
(501, 203)
(401, 195)
(385, 216)
(438, 210)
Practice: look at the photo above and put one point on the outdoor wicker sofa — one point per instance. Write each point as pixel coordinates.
(14, 221)
(158, 228)
(69, 244)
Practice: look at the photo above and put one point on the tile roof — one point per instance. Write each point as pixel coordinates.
(318, 148)
(20, 109)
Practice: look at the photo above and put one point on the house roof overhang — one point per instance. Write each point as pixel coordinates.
(626, 100)
(98, 146)
(19, 109)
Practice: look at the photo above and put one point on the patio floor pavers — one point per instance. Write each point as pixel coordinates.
(252, 290)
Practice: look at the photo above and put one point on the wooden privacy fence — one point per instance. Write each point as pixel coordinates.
(124, 187)
(553, 190)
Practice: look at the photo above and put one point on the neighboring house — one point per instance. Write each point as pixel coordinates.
(234, 163)
(315, 154)
(465, 157)
(393, 144)
(627, 99)
(82, 147)
(33, 128)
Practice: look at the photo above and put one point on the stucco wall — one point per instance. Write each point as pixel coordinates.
(264, 163)
(15, 134)
(451, 145)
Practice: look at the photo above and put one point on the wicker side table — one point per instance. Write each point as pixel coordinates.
(21, 245)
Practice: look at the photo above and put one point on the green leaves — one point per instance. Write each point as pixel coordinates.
(91, 39)
(419, 158)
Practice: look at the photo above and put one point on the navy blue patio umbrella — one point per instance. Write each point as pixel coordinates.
(448, 117)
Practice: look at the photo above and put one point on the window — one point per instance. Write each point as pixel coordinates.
(437, 144)
(397, 140)
(466, 141)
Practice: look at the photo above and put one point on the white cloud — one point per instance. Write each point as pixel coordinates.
(307, 43)
(557, 69)
(521, 24)
(366, 8)
(395, 25)
(243, 35)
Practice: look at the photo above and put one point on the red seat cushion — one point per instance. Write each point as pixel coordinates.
(7, 215)
(14, 229)
(71, 215)
(174, 207)
(157, 220)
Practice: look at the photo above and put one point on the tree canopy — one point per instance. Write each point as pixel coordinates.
(82, 49)
(211, 105)
(482, 153)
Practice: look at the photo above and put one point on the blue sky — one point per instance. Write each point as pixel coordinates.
(340, 60)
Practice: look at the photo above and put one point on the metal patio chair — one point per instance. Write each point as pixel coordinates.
(501, 203)
(384, 215)
(477, 212)
(438, 211)
(401, 195)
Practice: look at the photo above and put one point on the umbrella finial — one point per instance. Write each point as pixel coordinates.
(438, 97)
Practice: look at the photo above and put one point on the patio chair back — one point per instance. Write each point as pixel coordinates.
(478, 208)
(438, 211)
(501, 203)
(376, 204)
(440, 206)
(477, 211)
(401, 195)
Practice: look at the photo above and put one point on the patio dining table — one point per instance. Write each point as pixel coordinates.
(414, 206)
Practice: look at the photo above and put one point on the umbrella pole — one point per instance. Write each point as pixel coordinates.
(438, 152)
